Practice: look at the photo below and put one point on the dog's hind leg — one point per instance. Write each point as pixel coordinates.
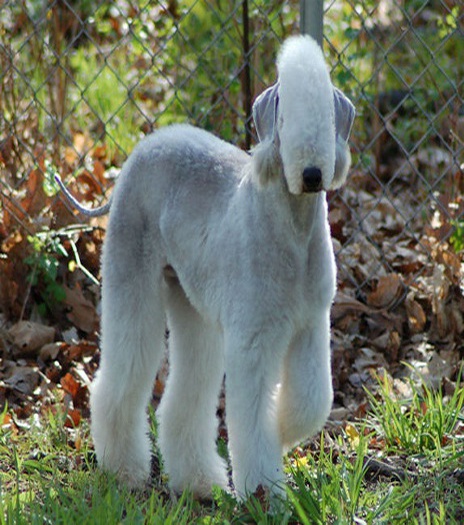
(187, 413)
(133, 327)
(305, 396)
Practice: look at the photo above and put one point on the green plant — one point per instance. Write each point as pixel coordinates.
(457, 237)
(420, 424)
(370, 63)
(48, 478)
(46, 249)
(101, 91)
(330, 485)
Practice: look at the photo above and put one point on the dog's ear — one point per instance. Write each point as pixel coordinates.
(344, 117)
(265, 154)
(265, 113)
(344, 114)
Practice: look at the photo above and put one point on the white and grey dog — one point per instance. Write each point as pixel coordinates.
(234, 252)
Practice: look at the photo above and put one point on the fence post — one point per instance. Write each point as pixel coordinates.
(311, 18)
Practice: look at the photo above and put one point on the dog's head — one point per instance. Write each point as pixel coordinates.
(303, 122)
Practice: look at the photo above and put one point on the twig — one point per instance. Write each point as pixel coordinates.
(375, 468)
(28, 293)
(81, 266)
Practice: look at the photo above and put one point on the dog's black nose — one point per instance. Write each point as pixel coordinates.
(312, 179)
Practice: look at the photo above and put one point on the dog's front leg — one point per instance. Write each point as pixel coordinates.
(253, 364)
(305, 396)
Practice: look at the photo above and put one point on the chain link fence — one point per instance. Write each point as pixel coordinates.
(82, 81)
(399, 220)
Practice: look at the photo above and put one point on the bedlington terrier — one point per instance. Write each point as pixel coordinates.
(233, 251)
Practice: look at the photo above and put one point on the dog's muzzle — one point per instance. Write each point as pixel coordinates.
(312, 180)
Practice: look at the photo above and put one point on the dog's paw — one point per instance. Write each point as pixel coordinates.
(134, 475)
(133, 480)
(201, 489)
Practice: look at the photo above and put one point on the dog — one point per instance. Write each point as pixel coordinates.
(233, 251)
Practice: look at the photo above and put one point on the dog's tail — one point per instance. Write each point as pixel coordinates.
(89, 212)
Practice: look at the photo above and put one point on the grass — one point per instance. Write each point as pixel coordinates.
(403, 464)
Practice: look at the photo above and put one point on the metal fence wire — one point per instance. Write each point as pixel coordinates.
(82, 81)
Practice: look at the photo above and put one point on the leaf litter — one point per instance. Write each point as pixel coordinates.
(399, 300)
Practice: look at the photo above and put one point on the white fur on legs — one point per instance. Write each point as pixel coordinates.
(133, 324)
(252, 373)
(306, 376)
(187, 413)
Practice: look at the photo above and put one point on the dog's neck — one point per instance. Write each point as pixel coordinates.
(300, 212)
(306, 210)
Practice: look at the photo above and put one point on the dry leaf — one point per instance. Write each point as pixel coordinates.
(29, 337)
(389, 343)
(438, 368)
(83, 313)
(23, 379)
(73, 418)
(416, 314)
(441, 287)
(76, 390)
(70, 385)
(50, 351)
(369, 358)
(262, 495)
(344, 305)
(387, 291)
